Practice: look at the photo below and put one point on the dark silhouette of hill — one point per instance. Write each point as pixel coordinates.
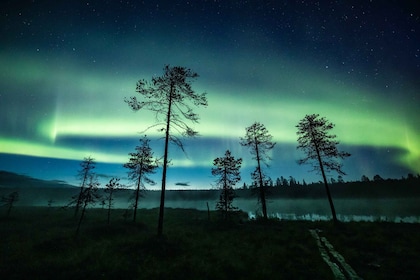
(14, 180)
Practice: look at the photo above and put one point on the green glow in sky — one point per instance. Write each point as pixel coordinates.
(87, 104)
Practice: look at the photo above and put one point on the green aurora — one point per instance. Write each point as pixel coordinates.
(76, 91)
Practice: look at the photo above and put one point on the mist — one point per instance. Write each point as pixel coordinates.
(399, 209)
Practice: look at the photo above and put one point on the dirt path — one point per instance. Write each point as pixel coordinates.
(340, 268)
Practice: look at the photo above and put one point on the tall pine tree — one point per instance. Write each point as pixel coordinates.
(171, 97)
(320, 147)
(259, 142)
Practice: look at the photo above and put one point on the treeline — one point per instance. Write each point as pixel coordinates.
(377, 187)
(380, 188)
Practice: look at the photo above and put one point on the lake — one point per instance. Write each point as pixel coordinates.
(401, 209)
(361, 209)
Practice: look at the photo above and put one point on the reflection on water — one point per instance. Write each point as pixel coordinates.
(342, 218)
(405, 210)
(398, 210)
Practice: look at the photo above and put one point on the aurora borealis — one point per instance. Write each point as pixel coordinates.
(66, 68)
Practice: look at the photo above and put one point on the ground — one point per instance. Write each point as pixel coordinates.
(40, 242)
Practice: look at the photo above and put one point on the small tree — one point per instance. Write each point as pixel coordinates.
(365, 178)
(140, 164)
(88, 197)
(112, 186)
(10, 200)
(292, 181)
(258, 140)
(377, 178)
(227, 170)
(171, 97)
(320, 148)
(87, 165)
(284, 182)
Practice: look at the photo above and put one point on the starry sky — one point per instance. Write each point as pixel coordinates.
(66, 67)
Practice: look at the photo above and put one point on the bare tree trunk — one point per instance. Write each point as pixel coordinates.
(79, 202)
(109, 206)
(262, 191)
(225, 193)
(137, 194)
(326, 187)
(162, 194)
(208, 211)
(81, 218)
(165, 163)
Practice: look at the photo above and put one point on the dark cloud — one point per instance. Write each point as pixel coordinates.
(183, 184)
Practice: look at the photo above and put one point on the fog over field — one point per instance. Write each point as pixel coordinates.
(388, 200)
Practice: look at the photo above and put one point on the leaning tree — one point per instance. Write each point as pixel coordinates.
(140, 165)
(171, 97)
(88, 197)
(226, 169)
(259, 141)
(86, 171)
(320, 148)
(111, 187)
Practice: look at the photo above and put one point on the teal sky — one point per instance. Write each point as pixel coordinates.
(66, 68)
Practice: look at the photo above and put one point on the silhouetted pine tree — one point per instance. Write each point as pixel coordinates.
(87, 165)
(365, 178)
(112, 186)
(89, 196)
(140, 165)
(320, 148)
(227, 170)
(171, 97)
(258, 140)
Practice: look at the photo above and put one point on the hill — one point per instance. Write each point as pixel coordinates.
(14, 180)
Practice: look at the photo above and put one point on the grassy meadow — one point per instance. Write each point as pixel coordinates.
(40, 243)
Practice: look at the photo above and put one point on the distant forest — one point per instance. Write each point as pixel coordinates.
(365, 188)
(378, 188)
(282, 187)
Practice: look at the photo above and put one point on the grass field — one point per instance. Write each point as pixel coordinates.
(40, 243)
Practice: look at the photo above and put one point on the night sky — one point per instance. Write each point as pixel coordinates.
(66, 67)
